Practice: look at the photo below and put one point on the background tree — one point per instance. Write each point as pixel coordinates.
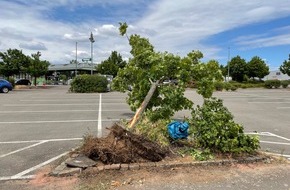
(112, 65)
(147, 67)
(285, 67)
(37, 68)
(257, 68)
(13, 62)
(238, 68)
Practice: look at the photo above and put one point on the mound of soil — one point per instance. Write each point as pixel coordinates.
(122, 146)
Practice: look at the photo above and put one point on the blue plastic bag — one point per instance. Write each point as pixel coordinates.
(178, 130)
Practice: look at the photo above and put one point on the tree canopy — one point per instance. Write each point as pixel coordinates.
(257, 68)
(147, 66)
(37, 67)
(112, 65)
(13, 62)
(238, 68)
(285, 67)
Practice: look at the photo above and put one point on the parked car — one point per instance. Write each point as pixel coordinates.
(5, 86)
(23, 82)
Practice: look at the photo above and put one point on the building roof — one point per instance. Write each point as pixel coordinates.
(72, 67)
(276, 75)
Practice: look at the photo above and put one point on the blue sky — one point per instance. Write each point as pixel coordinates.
(250, 28)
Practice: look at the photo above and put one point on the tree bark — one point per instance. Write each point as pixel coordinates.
(143, 106)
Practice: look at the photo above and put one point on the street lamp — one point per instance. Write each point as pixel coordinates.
(92, 41)
(76, 59)
(229, 51)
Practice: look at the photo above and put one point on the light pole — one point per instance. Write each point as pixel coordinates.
(92, 41)
(76, 59)
(229, 55)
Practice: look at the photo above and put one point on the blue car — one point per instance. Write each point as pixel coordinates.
(5, 86)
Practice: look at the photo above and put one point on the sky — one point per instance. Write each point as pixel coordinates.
(219, 29)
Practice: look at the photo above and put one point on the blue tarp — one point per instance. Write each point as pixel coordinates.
(178, 130)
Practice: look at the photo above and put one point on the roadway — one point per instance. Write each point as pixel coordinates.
(39, 126)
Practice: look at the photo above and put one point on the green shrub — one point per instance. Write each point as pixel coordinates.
(285, 83)
(213, 128)
(156, 131)
(219, 86)
(12, 81)
(89, 84)
(227, 86)
(234, 88)
(272, 83)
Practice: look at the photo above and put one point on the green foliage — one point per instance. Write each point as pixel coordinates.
(200, 155)
(112, 65)
(206, 74)
(285, 67)
(227, 86)
(285, 83)
(37, 68)
(215, 129)
(234, 88)
(89, 84)
(12, 81)
(219, 86)
(272, 83)
(238, 68)
(156, 132)
(257, 68)
(13, 62)
(147, 65)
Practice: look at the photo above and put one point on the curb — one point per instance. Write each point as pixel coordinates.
(63, 171)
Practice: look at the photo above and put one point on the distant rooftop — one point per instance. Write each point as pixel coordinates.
(72, 67)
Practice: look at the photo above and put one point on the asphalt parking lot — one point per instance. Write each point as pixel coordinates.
(39, 126)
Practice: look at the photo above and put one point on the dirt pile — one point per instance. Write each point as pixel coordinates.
(122, 146)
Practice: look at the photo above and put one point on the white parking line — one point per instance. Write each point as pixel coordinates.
(32, 105)
(269, 102)
(21, 174)
(30, 146)
(100, 117)
(271, 142)
(48, 111)
(284, 138)
(260, 134)
(21, 149)
(63, 121)
(47, 140)
(283, 107)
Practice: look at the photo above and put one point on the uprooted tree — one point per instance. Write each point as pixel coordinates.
(149, 69)
(155, 102)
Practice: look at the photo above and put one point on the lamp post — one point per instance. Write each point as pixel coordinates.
(92, 41)
(229, 49)
(76, 71)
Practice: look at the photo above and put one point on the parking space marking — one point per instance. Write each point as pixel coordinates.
(284, 138)
(62, 111)
(22, 174)
(60, 121)
(260, 133)
(32, 105)
(271, 142)
(100, 117)
(21, 149)
(48, 140)
(283, 107)
(48, 111)
(39, 142)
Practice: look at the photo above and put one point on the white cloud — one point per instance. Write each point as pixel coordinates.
(174, 26)
(185, 23)
(38, 46)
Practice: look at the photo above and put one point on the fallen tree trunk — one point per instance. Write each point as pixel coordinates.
(144, 104)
